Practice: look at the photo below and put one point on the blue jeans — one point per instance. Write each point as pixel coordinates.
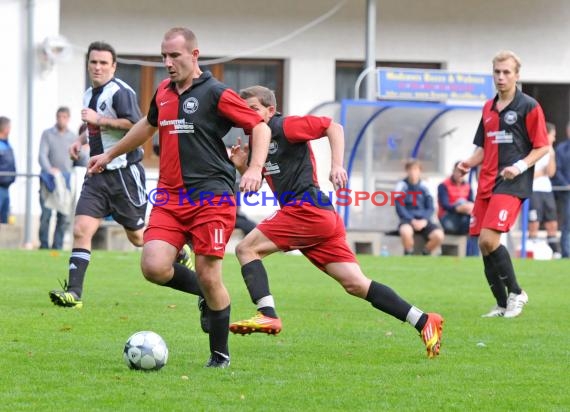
(455, 223)
(4, 204)
(61, 225)
(565, 229)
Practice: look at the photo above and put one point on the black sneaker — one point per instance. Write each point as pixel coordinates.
(65, 298)
(218, 360)
(204, 314)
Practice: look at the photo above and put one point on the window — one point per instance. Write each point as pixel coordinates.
(237, 74)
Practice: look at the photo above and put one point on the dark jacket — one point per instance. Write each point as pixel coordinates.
(7, 163)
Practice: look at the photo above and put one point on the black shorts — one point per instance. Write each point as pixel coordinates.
(120, 193)
(425, 232)
(542, 207)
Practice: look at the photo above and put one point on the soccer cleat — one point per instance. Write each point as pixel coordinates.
(496, 312)
(515, 304)
(185, 257)
(204, 314)
(431, 334)
(64, 298)
(218, 360)
(259, 323)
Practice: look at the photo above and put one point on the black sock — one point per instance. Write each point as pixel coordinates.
(255, 277)
(184, 280)
(268, 311)
(219, 330)
(78, 262)
(385, 299)
(495, 283)
(504, 268)
(554, 244)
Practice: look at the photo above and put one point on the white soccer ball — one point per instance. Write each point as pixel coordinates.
(146, 351)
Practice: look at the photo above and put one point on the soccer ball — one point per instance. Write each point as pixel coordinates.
(145, 351)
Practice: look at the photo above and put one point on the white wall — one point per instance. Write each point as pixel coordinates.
(462, 35)
(13, 83)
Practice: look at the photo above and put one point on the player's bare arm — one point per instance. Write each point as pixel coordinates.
(551, 168)
(338, 175)
(474, 160)
(91, 116)
(259, 142)
(140, 133)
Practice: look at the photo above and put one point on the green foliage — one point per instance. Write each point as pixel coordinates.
(335, 352)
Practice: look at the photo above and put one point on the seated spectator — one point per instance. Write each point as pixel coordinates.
(415, 211)
(542, 208)
(455, 202)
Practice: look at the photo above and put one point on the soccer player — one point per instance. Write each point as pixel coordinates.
(194, 200)
(307, 221)
(110, 109)
(510, 138)
(542, 207)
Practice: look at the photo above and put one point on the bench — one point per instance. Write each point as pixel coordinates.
(454, 245)
(364, 241)
(111, 236)
(11, 236)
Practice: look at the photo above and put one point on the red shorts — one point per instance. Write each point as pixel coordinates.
(318, 233)
(498, 212)
(207, 226)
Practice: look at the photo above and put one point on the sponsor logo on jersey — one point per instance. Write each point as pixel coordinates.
(190, 105)
(500, 137)
(271, 169)
(179, 126)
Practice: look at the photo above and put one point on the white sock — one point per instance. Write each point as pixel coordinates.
(265, 302)
(414, 316)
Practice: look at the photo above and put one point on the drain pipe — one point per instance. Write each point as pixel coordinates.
(30, 74)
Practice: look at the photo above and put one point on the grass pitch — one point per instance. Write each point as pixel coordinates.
(335, 352)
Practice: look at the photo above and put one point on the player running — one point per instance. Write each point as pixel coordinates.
(318, 230)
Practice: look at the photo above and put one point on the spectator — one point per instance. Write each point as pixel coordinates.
(562, 178)
(8, 166)
(542, 208)
(455, 203)
(56, 166)
(415, 211)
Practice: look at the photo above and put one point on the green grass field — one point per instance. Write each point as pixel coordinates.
(335, 352)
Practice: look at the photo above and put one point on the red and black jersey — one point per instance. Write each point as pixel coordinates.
(507, 137)
(191, 127)
(290, 168)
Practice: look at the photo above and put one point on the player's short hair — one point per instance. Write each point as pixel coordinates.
(550, 127)
(63, 109)
(102, 46)
(4, 121)
(265, 96)
(505, 55)
(412, 162)
(189, 36)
